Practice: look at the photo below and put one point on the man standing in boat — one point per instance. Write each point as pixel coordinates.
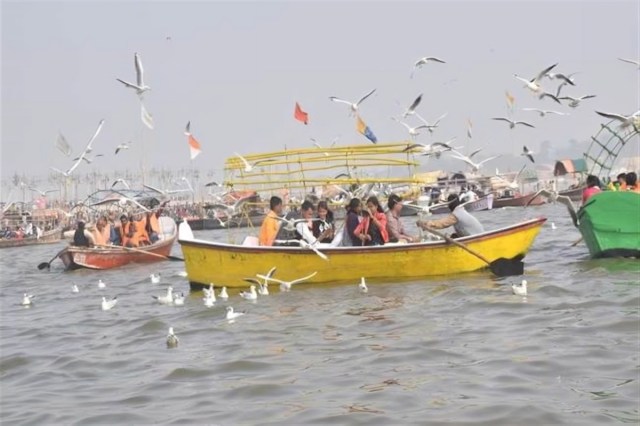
(271, 225)
(461, 220)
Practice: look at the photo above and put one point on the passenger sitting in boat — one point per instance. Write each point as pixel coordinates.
(593, 187)
(152, 226)
(632, 182)
(324, 229)
(461, 220)
(622, 182)
(271, 225)
(140, 233)
(114, 231)
(372, 231)
(19, 234)
(304, 228)
(395, 228)
(82, 238)
(351, 223)
(123, 230)
(101, 233)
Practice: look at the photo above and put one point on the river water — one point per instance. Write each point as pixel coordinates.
(450, 350)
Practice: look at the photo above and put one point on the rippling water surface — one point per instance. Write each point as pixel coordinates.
(450, 350)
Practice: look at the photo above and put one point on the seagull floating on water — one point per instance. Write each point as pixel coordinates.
(553, 225)
(178, 299)
(223, 294)
(209, 300)
(352, 105)
(363, 285)
(208, 291)
(139, 87)
(26, 299)
(167, 299)
(520, 289)
(232, 315)
(155, 278)
(251, 294)
(75, 289)
(109, 304)
(101, 284)
(172, 339)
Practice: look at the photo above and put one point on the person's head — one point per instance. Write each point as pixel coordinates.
(394, 203)
(374, 204)
(453, 201)
(275, 204)
(306, 209)
(622, 177)
(124, 219)
(101, 223)
(592, 181)
(80, 225)
(354, 205)
(323, 211)
(632, 178)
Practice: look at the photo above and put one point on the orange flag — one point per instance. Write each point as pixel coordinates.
(300, 115)
(194, 147)
(511, 100)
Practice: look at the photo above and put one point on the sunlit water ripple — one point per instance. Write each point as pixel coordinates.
(458, 350)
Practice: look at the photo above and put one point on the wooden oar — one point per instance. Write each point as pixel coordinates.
(577, 242)
(501, 267)
(175, 258)
(48, 264)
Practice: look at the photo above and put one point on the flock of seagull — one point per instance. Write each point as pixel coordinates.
(533, 84)
(170, 298)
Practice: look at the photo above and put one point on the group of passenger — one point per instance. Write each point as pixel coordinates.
(132, 231)
(21, 232)
(624, 182)
(364, 225)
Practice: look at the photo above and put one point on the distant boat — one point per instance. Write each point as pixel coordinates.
(532, 199)
(46, 227)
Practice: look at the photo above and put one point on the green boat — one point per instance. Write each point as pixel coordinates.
(610, 224)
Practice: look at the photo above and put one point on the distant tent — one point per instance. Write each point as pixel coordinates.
(564, 167)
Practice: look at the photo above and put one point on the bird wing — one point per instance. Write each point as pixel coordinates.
(530, 157)
(246, 163)
(422, 126)
(95, 135)
(488, 159)
(415, 145)
(59, 171)
(63, 145)
(545, 71)
(434, 59)
(299, 280)
(126, 83)
(271, 272)
(533, 109)
(139, 71)
(212, 184)
(550, 95)
(612, 116)
(415, 103)
(402, 122)
(587, 97)
(502, 119)
(631, 61)
(252, 281)
(334, 99)
(365, 97)
(440, 118)
(187, 129)
(475, 152)
(524, 123)
(515, 179)
(565, 79)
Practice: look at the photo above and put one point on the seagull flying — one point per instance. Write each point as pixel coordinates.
(424, 61)
(290, 224)
(544, 112)
(625, 121)
(286, 285)
(513, 123)
(527, 153)
(122, 181)
(431, 127)
(413, 131)
(635, 62)
(467, 159)
(172, 339)
(353, 106)
(575, 102)
(109, 304)
(412, 108)
(122, 146)
(247, 166)
(86, 151)
(520, 289)
(139, 87)
(435, 149)
(534, 83)
(41, 192)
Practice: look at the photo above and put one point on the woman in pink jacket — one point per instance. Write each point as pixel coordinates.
(372, 231)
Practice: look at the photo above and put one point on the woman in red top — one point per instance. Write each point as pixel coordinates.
(593, 187)
(372, 231)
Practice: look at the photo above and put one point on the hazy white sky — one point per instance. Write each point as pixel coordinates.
(235, 69)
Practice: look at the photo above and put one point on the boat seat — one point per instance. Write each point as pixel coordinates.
(250, 240)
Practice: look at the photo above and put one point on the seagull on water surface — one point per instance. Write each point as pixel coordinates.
(520, 289)
(101, 284)
(209, 299)
(251, 294)
(178, 299)
(231, 315)
(75, 289)
(109, 304)
(363, 285)
(223, 294)
(172, 339)
(26, 299)
(139, 87)
(155, 278)
(352, 105)
(167, 299)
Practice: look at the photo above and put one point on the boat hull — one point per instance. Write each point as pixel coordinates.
(47, 237)
(521, 201)
(610, 226)
(242, 222)
(227, 265)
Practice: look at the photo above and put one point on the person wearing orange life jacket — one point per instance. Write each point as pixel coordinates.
(123, 230)
(102, 232)
(140, 235)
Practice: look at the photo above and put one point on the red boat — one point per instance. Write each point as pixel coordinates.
(107, 257)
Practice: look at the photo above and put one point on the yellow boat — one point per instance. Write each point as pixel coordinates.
(229, 264)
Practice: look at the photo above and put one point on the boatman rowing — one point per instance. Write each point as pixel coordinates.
(461, 220)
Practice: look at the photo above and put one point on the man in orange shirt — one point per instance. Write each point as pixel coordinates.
(271, 225)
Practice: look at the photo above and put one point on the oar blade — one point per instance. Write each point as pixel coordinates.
(44, 265)
(504, 267)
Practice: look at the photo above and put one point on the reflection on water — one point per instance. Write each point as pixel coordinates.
(451, 350)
